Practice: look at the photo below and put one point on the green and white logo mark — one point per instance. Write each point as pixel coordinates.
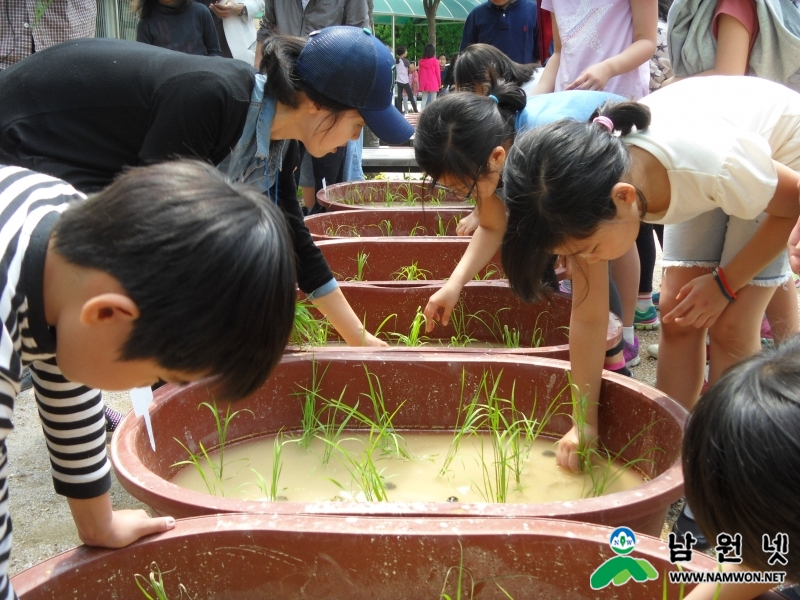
(620, 569)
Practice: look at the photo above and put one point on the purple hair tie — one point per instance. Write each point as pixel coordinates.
(604, 122)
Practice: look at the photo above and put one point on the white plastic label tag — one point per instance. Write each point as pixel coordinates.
(142, 398)
(324, 187)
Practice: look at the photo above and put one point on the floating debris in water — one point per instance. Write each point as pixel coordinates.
(452, 499)
(281, 499)
(389, 485)
(549, 453)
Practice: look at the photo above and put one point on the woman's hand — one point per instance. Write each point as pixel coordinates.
(445, 300)
(225, 10)
(567, 451)
(469, 224)
(700, 303)
(593, 78)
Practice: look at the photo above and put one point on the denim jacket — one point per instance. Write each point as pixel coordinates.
(256, 160)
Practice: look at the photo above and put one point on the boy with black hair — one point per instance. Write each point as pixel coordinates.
(170, 273)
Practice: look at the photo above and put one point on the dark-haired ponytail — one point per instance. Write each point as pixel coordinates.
(624, 115)
(278, 59)
(456, 134)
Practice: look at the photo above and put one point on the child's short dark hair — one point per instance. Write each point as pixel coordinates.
(478, 64)
(457, 133)
(209, 264)
(741, 455)
(558, 180)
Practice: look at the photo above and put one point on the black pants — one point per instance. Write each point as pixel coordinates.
(398, 101)
(646, 246)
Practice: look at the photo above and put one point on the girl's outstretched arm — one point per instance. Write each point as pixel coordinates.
(645, 23)
(547, 82)
(482, 247)
(588, 327)
(344, 320)
(701, 301)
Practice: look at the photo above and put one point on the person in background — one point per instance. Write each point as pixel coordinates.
(442, 66)
(413, 75)
(180, 25)
(509, 25)
(480, 62)
(430, 78)
(402, 82)
(22, 33)
(300, 18)
(235, 28)
(448, 79)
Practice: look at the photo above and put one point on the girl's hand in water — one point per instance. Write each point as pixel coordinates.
(700, 303)
(593, 78)
(445, 299)
(370, 340)
(468, 224)
(567, 450)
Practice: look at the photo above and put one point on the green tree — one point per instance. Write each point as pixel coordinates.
(414, 36)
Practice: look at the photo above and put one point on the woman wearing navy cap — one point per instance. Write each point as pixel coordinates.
(85, 110)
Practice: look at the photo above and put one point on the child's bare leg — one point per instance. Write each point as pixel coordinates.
(625, 272)
(735, 335)
(681, 350)
(782, 312)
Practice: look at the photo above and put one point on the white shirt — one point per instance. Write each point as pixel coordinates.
(717, 137)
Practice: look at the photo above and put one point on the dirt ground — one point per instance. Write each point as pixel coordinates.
(42, 522)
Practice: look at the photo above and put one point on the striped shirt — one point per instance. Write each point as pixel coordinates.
(72, 415)
(28, 26)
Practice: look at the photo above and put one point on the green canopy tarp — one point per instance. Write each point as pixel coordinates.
(449, 10)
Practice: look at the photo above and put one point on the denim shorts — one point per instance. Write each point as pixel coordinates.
(714, 238)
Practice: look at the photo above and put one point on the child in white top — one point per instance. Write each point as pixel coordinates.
(738, 150)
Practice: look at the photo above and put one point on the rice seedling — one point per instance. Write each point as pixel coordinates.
(347, 231)
(507, 337)
(417, 230)
(330, 430)
(388, 440)
(361, 263)
(458, 320)
(510, 337)
(152, 587)
(411, 273)
(473, 416)
(309, 330)
(441, 228)
(389, 199)
(406, 192)
(379, 329)
(490, 271)
(365, 473)
(460, 591)
(386, 227)
(414, 337)
(215, 476)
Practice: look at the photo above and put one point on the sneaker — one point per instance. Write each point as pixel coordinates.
(656, 299)
(565, 286)
(113, 419)
(631, 353)
(26, 382)
(646, 319)
(684, 524)
(623, 371)
(652, 350)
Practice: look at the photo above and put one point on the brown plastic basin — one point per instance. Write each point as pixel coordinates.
(372, 223)
(386, 256)
(252, 557)
(431, 386)
(372, 194)
(549, 318)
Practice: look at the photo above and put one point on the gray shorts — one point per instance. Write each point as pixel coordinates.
(306, 172)
(714, 238)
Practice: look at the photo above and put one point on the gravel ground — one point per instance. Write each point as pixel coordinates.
(43, 525)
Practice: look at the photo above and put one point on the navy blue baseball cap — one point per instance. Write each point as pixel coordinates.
(353, 67)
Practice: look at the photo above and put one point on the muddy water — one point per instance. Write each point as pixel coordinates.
(305, 479)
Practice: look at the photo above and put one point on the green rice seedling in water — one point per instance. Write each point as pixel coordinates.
(414, 337)
(411, 273)
(386, 227)
(215, 477)
(473, 416)
(459, 321)
(388, 440)
(510, 337)
(152, 587)
(379, 330)
(417, 230)
(491, 271)
(365, 474)
(347, 231)
(331, 432)
(309, 330)
(361, 263)
(441, 228)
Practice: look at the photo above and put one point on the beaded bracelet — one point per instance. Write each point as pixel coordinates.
(722, 288)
